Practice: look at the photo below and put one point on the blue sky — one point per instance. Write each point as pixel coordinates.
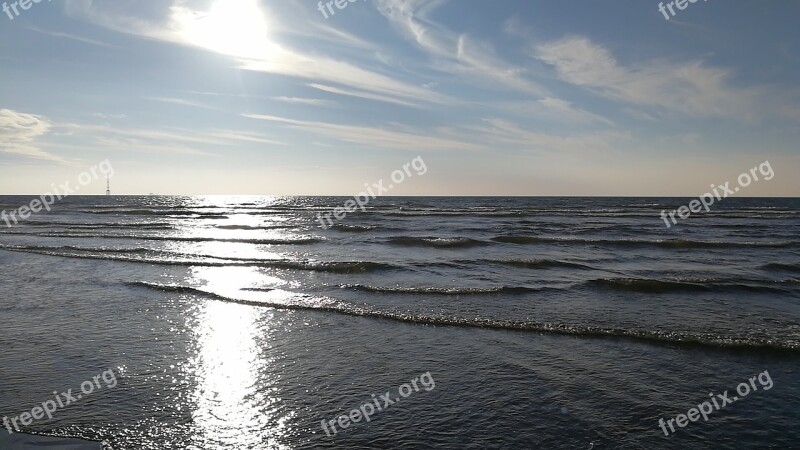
(511, 97)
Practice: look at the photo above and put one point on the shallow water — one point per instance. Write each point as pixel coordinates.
(545, 322)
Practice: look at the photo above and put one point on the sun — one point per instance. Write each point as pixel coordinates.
(231, 27)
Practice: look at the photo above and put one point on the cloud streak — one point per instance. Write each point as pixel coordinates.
(19, 133)
(692, 88)
(189, 23)
(377, 138)
(453, 52)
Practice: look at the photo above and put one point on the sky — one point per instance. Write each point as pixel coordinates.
(504, 97)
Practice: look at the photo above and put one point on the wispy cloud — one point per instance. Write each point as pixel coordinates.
(179, 101)
(505, 132)
(324, 69)
(362, 94)
(109, 116)
(191, 23)
(692, 88)
(61, 35)
(556, 109)
(453, 52)
(19, 133)
(376, 138)
(132, 145)
(303, 101)
(178, 141)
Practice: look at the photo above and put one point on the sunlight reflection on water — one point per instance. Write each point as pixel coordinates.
(236, 400)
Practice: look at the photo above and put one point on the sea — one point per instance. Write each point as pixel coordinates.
(538, 322)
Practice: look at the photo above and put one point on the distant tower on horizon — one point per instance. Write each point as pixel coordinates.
(108, 185)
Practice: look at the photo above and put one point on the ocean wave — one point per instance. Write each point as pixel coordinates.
(177, 259)
(793, 268)
(352, 228)
(662, 243)
(122, 255)
(443, 290)
(289, 241)
(411, 241)
(296, 301)
(99, 226)
(643, 213)
(651, 286)
(540, 264)
(653, 336)
(346, 267)
(255, 227)
(157, 212)
(41, 248)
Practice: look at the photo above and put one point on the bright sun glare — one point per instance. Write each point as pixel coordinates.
(231, 27)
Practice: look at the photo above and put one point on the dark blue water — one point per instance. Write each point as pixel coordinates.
(240, 322)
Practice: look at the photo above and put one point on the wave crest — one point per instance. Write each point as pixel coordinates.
(654, 336)
(456, 242)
